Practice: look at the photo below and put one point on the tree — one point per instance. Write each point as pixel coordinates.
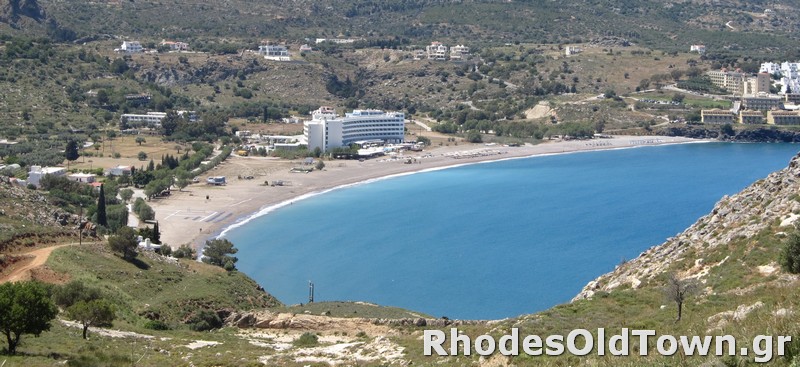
(142, 156)
(73, 292)
(216, 252)
(126, 194)
(182, 183)
(140, 140)
(170, 123)
(124, 243)
(677, 290)
(474, 137)
(102, 219)
(98, 312)
(156, 234)
(25, 308)
(790, 257)
(71, 151)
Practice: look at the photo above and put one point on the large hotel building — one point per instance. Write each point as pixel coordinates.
(326, 130)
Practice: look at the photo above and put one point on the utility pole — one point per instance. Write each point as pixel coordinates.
(80, 226)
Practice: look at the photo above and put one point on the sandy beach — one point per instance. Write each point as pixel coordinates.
(201, 211)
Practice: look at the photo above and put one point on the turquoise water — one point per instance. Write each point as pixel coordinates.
(494, 240)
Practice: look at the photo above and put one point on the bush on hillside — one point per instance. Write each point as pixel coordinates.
(790, 257)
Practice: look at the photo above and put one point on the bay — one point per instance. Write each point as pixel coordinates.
(494, 240)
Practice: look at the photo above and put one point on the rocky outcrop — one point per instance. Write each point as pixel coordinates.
(770, 200)
(760, 135)
(211, 70)
(270, 320)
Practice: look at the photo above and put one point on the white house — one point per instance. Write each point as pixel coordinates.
(83, 177)
(326, 130)
(175, 46)
(274, 52)
(120, 171)
(131, 47)
(436, 51)
(572, 50)
(37, 172)
(459, 52)
(701, 49)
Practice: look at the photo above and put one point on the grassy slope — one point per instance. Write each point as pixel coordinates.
(153, 286)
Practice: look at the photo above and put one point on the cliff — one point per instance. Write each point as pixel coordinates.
(737, 227)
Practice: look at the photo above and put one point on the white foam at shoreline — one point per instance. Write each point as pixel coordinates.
(264, 211)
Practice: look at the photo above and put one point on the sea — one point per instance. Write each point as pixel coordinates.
(498, 239)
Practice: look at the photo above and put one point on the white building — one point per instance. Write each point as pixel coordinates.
(701, 49)
(459, 52)
(340, 41)
(131, 47)
(274, 52)
(120, 171)
(83, 177)
(326, 130)
(175, 46)
(306, 48)
(436, 51)
(37, 172)
(789, 73)
(572, 50)
(152, 119)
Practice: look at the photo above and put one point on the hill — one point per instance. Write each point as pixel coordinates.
(664, 25)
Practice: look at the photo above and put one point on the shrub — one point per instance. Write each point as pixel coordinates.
(204, 320)
(184, 251)
(790, 257)
(156, 325)
(165, 250)
(74, 292)
(307, 340)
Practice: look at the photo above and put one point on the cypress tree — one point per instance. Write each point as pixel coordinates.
(102, 219)
(71, 151)
(156, 234)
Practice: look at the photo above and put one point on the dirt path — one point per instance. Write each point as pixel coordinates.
(40, 257)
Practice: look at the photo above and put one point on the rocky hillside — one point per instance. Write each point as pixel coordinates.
(740, 224)
(28, 217)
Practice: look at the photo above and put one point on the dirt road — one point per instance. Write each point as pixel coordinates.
(40, 257)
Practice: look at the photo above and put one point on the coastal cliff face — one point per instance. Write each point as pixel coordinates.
(737, 226)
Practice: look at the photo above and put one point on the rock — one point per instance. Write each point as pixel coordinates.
(420, 322)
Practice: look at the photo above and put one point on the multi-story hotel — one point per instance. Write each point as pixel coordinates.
(326, 130)
(783, 118)
(717, 116)
(732, 81)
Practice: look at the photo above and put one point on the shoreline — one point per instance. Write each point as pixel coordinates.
(245, 200)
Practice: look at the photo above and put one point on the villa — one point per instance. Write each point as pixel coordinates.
(274, 52)
(130, 47)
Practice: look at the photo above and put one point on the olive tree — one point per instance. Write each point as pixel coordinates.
(124, 243)
(97, 312)
(25, 308)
